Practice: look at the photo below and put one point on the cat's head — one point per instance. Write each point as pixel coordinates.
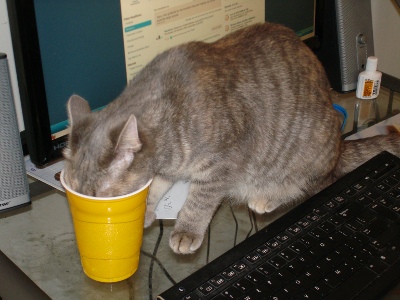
(101, 152)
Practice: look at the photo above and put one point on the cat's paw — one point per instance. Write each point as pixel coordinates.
(149, 218)
(185, 242)
(261, 206)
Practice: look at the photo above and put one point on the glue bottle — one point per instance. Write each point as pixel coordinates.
(366, 110)
(369, 81)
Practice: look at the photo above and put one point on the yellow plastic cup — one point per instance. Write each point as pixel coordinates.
(108, 232)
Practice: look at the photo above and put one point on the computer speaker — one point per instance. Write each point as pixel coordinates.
(346, 37)
(14, 187)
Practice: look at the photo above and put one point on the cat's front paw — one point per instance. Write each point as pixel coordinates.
(261, 206)
(149, 218)
(185, 242)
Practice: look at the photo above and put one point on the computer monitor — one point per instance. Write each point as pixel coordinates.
(93, 48)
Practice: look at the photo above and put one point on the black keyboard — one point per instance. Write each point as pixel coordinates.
(342, 243)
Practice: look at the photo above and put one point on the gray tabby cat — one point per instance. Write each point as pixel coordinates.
(247, 118)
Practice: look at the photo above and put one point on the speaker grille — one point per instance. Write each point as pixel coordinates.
(354, 17)
(13, 179)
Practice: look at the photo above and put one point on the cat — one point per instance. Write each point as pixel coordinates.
(247, 118)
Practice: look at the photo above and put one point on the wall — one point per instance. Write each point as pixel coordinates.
(386, 25)
(6, 47)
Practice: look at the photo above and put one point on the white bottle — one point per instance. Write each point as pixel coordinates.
(369, 81)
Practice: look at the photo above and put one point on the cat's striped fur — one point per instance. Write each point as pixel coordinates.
(248, 118)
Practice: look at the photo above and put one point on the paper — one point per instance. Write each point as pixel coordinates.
(173, 200)
(47, 174)
(168, 207)
(150, 27)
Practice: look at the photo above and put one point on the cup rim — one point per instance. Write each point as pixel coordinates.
(102, 198)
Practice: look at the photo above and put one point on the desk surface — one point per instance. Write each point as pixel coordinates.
(40, 240)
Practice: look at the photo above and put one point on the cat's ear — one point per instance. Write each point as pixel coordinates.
(78, 109)
(128, 139)
(128, 143)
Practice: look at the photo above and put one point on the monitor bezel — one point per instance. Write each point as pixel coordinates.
(43, 147)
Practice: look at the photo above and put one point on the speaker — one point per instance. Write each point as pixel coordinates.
(14, 187)
(346, 36)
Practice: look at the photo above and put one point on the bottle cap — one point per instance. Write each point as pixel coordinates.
(372, 63)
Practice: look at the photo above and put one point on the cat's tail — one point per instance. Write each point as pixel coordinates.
(356, 152)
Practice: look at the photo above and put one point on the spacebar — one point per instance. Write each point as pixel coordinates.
(346, 290)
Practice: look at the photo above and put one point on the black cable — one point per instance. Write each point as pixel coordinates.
(251, 222)
(152, 259)
(255, 220)
(236, 223)
(160, 265)
(208, 244)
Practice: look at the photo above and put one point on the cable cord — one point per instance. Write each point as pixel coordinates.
(154, 259)
(236, 224)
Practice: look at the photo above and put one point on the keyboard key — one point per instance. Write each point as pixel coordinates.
(294, 229)
(383, 187)
(310, 295)
(304, 223)
(386, 237)
(318, 233)
(339, 199)
(361, 257)
(386, 202)
(285, 274)
(283, 238)
(331, 204)
(298, 247)
(342, 272)
(360, 185)
(255, 277)
(287, 254)
(336, 220)
(364, 200)
(346, 289)
(296, 267)
(378, 173)
(228, 274)
(277, 261)
(244, 285)
(239, 267)
(331, 280)
(374, 195)
(192, 296)
(366, 217)
(232, 293)
(349, 192)
(391, 181)
(390, 255)
(350, 211)
(377, 265)
(206, 288)
(374, 228)
(321, 288)
(327, 227)
(274, 283)
(257, 293)
(321, 211)
(291, 290)
(273, 244)
(383, 211)
(253, 257)
(312, 217)
(218, 281)
(263, 250)
(306, 259)
(308, 240)
(266, 269)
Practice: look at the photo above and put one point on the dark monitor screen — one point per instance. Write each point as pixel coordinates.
(85, 47)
